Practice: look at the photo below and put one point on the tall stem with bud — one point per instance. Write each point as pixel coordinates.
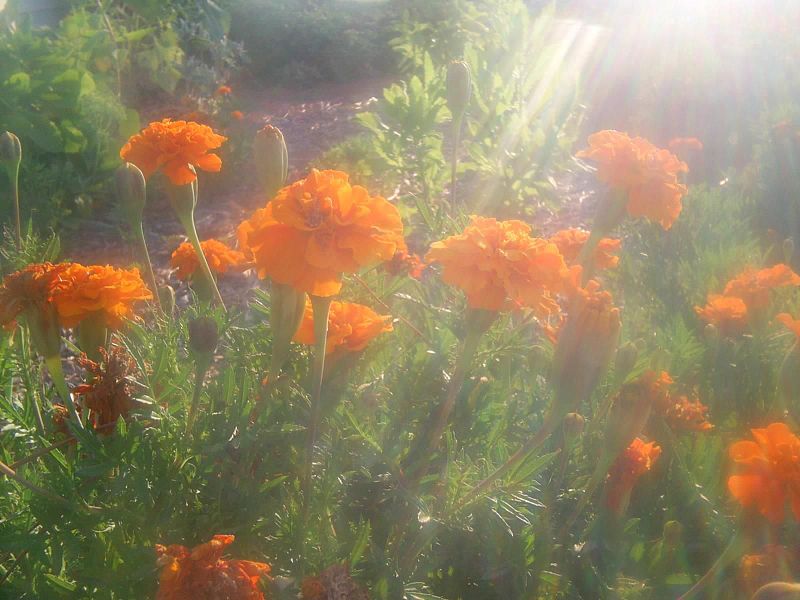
(11, 158)
(459, 90)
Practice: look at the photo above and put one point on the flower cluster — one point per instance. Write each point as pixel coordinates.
(768, 472)
(746, 295)
(172, 146)
(683, 414)
(108, 393)
(500, 266)
(201, 573)
(351, 327)
(319, 228)
(648, 175)
(221, 258)
(635, 461)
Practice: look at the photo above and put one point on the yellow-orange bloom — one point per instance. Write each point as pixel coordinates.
(768, 472)
(237, 115)
(220, 257)
(635, 461)
(570, 241)
(753, 286)
(224, 90)
(727, 313)
(319, 228)
(172, 146)
(101, 291)
(687, 415)
(646, 173)
(500, 266)
(351, 327)
(202, 574)
(30, 288)
(403, 263)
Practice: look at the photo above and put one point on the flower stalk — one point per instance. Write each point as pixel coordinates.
(11, 158)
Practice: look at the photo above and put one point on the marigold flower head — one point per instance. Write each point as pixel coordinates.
(768, 472)
(500, 266)
(202, 574)
(646, 173)
(224, 90)
(636, 460)
(351, 327)
(683, 414)
(109, 393)
(172, 146)
(30, 288)
(753, 286)
(403, 263)
(96, 290)
(334, 583)
(727, 313)
(220, 257)
(237, 115)
(318, 228)
(570, 241)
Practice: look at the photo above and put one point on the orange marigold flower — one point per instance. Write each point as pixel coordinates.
(773, 563)
(753, 286)
(681, 145)
(687, 415)
(500, 266)
(635, 461)
(727, 313)
(108, 394)
(333, 582)
(570, 241)
(648, 174)
(237, 115)
(220, 258)
(202, 574)
(318, 228)
(102, 291)
(30, 288)
(224, 90)
(403, 263)
(790, 323)
(172, 146)
(768, 472)
(351, 327)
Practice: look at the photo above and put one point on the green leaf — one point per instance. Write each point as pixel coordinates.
(361, 544)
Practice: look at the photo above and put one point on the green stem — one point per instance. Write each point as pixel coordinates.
(26, 357)
(12, 474)
(57, 375)
(148, 265)
(15, 197)
(456, 142)
(199, 376)
(191, 232)
(321, 306)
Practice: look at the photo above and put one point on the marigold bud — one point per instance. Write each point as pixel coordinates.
(166, 294)
(788, 250)
(573, 425)
(627, 355)
(271, 158)
(10, 150)
(459, 87)
(203, 336)
(131, 192)
(778, 590)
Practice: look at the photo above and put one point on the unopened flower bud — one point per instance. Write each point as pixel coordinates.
(203, 336)
(632, 407)
(459, 87)
(272, 159)
(131, 192)
(778, 590)
(166, 294)
(183, 199)
(788, 250)
(627, 355)
(573, 425)
(673, 532)
(10, 150)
